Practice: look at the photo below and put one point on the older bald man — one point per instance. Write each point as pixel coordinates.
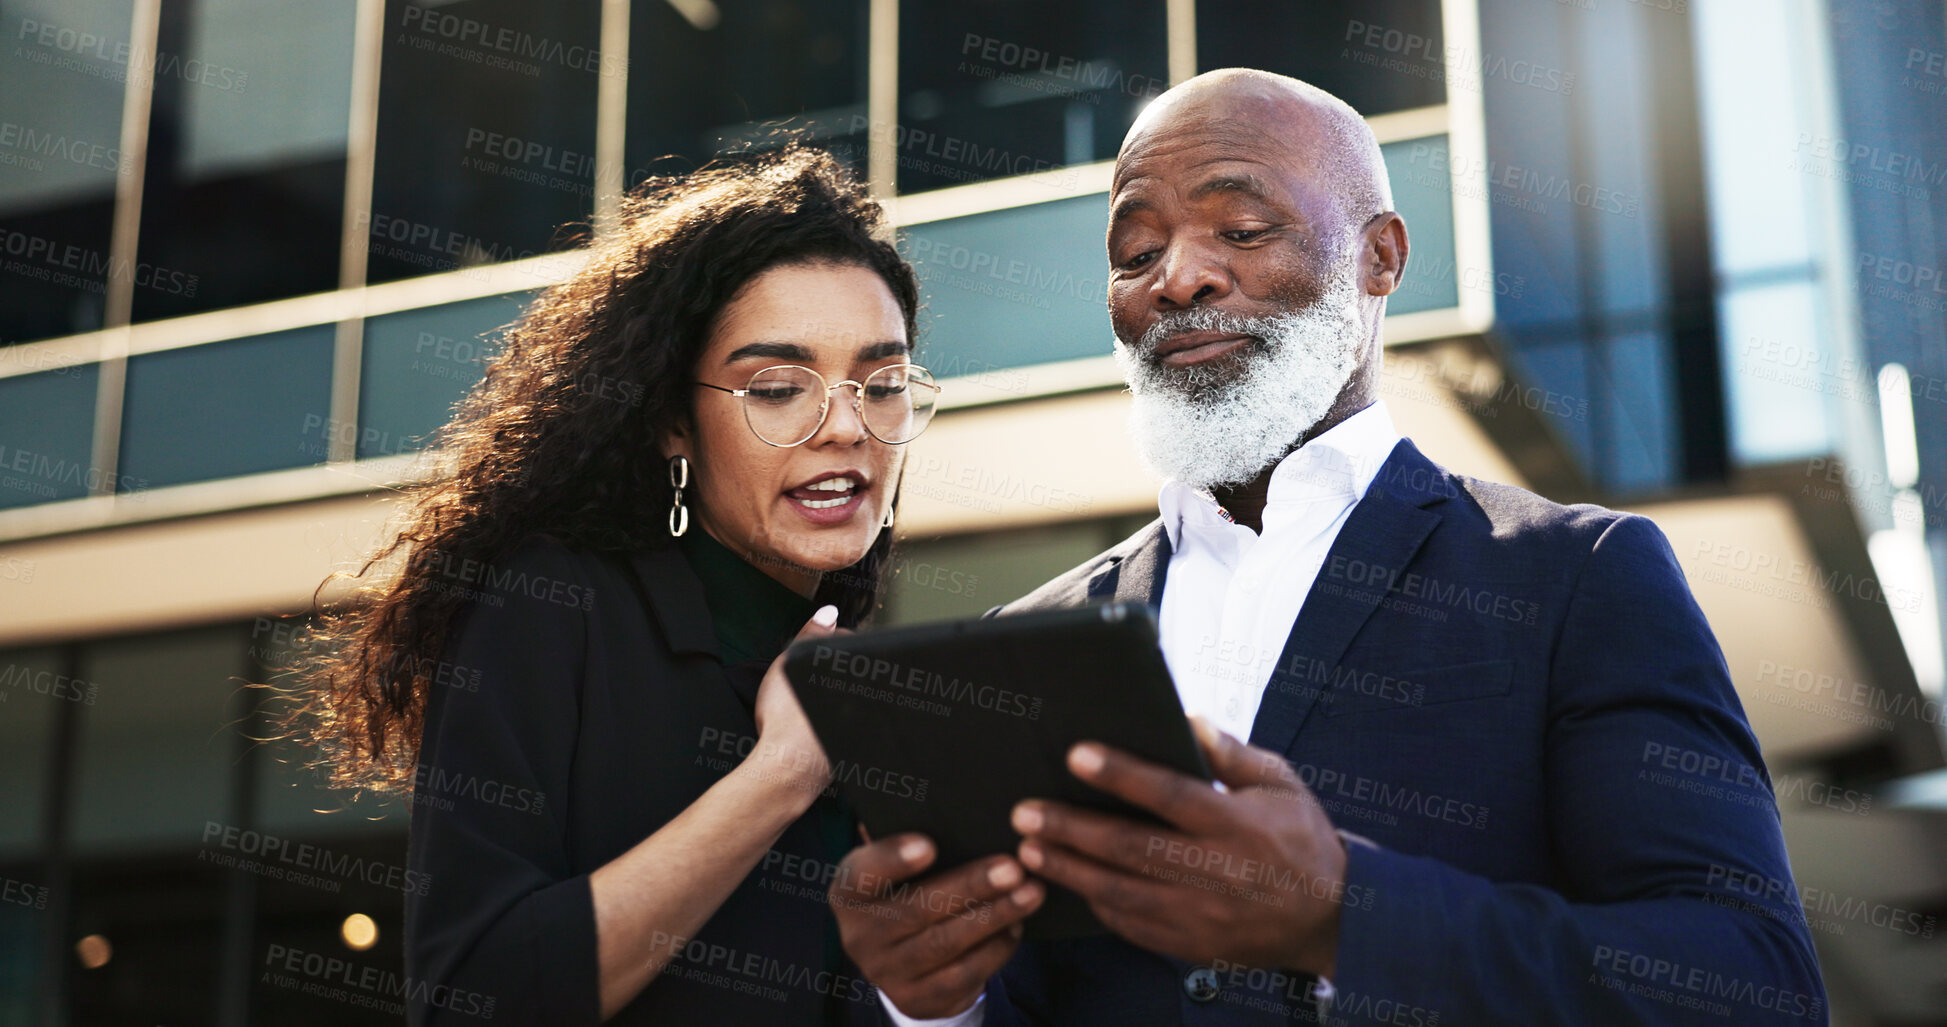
(1496, 773)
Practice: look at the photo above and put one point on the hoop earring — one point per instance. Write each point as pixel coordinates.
(679, 479)
(886, 521)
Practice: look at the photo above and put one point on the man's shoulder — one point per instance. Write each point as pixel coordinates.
(1071, 587)
(1509, 517)
(1511, 509)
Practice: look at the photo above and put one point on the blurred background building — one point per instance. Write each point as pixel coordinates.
(1683, 257)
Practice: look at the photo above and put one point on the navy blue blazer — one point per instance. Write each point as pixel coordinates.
(1524, 709)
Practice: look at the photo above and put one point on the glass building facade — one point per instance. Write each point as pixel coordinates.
(252, 252)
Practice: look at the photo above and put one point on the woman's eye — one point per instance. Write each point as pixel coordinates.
(776, 393)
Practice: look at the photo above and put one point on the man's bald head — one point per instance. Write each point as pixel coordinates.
(1340, 155)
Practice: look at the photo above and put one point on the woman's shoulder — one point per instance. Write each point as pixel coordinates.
(540, 569)
(539, 574)
(600, 583)
(545, 592)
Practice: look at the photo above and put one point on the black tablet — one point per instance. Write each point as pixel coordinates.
(942, 728)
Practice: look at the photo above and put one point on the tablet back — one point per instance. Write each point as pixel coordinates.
(942, 728)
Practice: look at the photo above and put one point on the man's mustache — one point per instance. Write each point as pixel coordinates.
(1183, 322)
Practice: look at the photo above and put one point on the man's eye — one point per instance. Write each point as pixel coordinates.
(1243, 234)
(1138, 260)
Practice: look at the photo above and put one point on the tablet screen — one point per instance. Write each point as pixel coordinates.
(943, 728)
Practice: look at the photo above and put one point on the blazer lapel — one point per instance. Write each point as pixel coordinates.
(1382, 534)
(1138, 575)
(674, 596)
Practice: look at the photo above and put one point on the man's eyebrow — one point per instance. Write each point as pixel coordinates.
(1126, 208)
(1246, 184)
(778, 350)
(882, 350)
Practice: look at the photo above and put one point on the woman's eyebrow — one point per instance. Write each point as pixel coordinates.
(882, 350)
(777, 350)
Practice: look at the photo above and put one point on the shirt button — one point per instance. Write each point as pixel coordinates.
(1200, 984)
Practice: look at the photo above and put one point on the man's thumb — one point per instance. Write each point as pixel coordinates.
(1236, 764)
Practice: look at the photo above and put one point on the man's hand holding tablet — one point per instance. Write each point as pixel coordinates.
(1023, 729)
(1252, 876)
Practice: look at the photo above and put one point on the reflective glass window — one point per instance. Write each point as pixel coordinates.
(47, 427)
(706, 78)
(243, 193)
(1377, 55)
(227, 408)
(419, 363)
(486, 142)
(995, 88)
(61, 85)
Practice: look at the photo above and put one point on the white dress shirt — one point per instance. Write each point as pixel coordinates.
(1231, 594)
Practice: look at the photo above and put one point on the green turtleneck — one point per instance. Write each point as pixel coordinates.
(755, 614)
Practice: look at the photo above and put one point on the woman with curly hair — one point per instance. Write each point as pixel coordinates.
(684, 456)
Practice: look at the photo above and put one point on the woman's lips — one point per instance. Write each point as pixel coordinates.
(833, 503)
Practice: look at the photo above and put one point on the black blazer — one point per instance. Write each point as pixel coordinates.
(574, 715)
(1522, 705)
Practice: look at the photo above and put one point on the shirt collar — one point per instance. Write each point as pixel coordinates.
(1338, 466)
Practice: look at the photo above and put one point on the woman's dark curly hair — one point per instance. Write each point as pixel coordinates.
(542, 447)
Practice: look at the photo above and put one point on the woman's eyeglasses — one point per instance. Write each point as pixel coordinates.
(787, 404)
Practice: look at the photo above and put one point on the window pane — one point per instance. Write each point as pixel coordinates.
(303, 913)
(1537, 238)
(60, 152)
(1012, 287)
(47, 426)
(33, 685)
(998, 87)
(486, 131)
(419, 363)
(1757, 115)
(1767, 344)
(228, 408)
(1563, 366)
(290, 798)
(1637, 411)
(21, 932)
(244, 188)
(1377, 55)
(1423, 195)
(702, 83)
(163, 701)
(162, 916)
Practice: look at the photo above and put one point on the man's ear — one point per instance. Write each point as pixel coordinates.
(1382, 262)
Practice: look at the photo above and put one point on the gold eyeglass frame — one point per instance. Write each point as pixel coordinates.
(825, 410)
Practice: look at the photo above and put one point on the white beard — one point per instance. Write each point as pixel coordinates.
(1206, 433)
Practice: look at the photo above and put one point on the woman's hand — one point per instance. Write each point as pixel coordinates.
(651, 900)
(787, 752)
